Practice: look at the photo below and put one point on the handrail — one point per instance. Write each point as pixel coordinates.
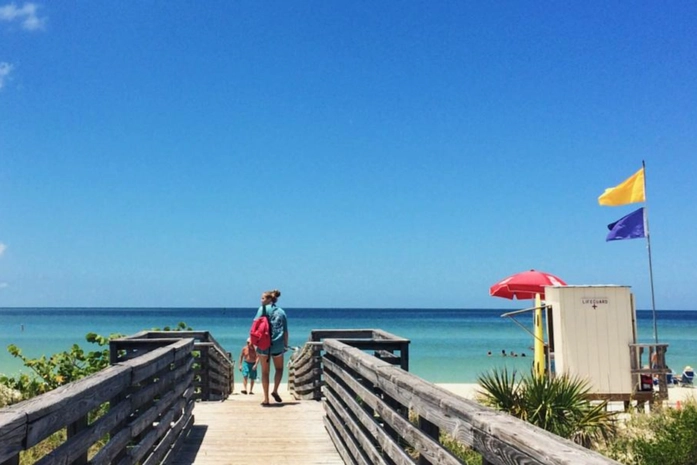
(148, 395)
(305, 365)
(305, 372)
(150, 402)
(369, 401)
(214, 367)
(653, 367)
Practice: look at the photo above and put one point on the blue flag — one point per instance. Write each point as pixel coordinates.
(628, 227)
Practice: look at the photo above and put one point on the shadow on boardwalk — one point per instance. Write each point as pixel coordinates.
(240, 430)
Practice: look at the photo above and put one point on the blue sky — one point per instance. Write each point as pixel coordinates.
(350, 154)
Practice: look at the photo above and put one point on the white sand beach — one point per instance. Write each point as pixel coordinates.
(675, 394)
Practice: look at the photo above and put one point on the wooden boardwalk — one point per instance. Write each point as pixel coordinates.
(241, 431)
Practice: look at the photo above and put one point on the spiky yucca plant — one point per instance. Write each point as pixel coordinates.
(558, 405)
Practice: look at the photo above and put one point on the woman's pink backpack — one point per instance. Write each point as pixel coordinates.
(260, 333)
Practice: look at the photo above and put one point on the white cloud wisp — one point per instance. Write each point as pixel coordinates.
(26, 15)
(5, 70)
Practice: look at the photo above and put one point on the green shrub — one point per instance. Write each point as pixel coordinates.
(666, 437)
(9, 396)
(61, 368)
(58, 369)
(558, 405)
(461, 451)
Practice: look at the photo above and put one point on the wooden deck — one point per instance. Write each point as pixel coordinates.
(240, 430)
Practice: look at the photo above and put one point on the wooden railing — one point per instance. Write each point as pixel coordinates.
(649, 361)
(305, 372)
(377, 413)
(141, 406)
(132, 412)
(305, 367)
(214, 367)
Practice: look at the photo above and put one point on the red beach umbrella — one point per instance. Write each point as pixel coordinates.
(524, 285)
(529, 285)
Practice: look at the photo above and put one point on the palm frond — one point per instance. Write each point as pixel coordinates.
(559, 405)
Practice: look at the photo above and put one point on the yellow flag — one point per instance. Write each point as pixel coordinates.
(630, 191)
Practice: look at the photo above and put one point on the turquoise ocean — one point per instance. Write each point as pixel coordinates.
(447, 345)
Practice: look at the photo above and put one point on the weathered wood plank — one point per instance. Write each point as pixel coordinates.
(216, 351)
(165, 382)
(146, 444)
(215, 378)
(417, 439)
(382, 334)
(338, 442)
(134, 348)
(147, 418)
(153, 362)
(306, 396)
(332, 405)
(307, 387)
(11, 419)
(197, 335)
(351, 442)
(319, 334)
(116, 444)
(313, 365)
(309, 377)
(80, 443)
(56, 409)
(307, 354)
(13, 429)
(168, 441)
(182, 429)
(239, 430)
(372, 344)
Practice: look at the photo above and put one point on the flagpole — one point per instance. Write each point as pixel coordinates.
(648, 246)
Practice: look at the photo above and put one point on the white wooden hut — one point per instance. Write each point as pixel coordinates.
(592, 334)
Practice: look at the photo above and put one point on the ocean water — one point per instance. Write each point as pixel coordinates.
(447, 345)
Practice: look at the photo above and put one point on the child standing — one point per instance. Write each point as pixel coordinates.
(248, 366)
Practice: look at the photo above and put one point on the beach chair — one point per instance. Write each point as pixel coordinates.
(688, 377)
(671, 380)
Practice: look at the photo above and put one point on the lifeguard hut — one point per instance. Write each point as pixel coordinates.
(592, 334)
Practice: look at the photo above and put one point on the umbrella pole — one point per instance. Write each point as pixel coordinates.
(539, 361)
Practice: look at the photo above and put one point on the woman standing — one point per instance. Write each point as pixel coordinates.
(279, 342)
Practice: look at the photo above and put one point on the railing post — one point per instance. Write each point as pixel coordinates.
(113, 352)
(404, 355)
(231, 376)
(205, 378)
(113, 360)
(317, 357)
(73, 429)
(430, 430)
